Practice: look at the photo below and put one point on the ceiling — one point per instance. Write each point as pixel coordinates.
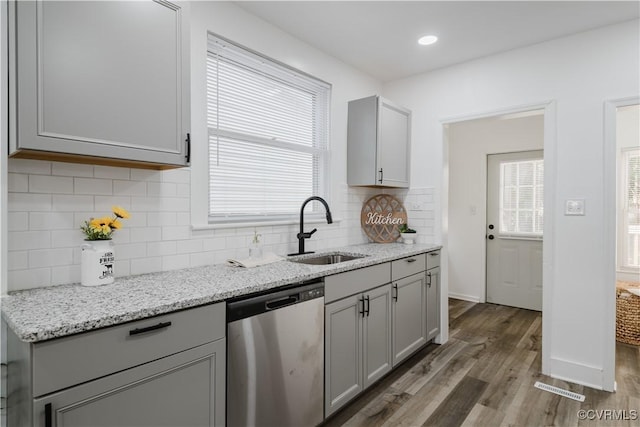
(380, 37)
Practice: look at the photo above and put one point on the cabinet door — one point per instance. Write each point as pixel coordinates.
(393, 144)
(106, 79)
(186, 389)
(376, 334)
(433, 302)
(343, 351)
(409, 316)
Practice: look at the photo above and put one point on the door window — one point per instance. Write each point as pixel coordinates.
(521, 198)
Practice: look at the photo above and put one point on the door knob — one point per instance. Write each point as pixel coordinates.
(490, 237)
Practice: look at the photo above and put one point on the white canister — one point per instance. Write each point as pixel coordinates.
(97, 263)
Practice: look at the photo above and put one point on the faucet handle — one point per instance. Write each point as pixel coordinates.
(312, 231)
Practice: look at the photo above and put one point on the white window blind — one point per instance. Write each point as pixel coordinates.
(268, 131)
(522, 198)
(631, 206)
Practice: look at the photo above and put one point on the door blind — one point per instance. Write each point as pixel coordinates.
(522, 198)
(268, 132)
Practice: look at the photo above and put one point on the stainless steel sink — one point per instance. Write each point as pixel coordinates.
(325, 259)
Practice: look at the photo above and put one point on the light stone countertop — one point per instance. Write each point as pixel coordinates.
(56, 311)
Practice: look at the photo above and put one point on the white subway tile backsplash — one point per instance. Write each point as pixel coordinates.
(71, 169)
(111, 172)
(175, 262)
(129, 188)
(18, 260)
(146, 234)
(73, 238)
(130, 251)
(178, 232)
(29, 166)
(65, 203)
(29, 279)
(50, 257)
(94, 186)
(179, 176)
(61, 275)
(25, 240)
(51, 220)
(161, 248)
(157, 189)
(26, 202)
(44, 226)
(146, 265)
(18, 221)
(146, 175)
(18, 183)
(189, 246)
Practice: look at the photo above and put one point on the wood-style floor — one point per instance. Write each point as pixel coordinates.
(484, 376)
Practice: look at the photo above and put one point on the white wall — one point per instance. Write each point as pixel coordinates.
(48, 201)
(469, 144)
(627, 136)
(578, 73)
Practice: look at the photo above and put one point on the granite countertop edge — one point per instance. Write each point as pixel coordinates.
(52, 312)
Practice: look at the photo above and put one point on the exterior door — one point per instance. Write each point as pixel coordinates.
(515, 190)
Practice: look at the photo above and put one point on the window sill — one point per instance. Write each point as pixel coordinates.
(227, 225)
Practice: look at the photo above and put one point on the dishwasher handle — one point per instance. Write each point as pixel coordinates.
(277, 303)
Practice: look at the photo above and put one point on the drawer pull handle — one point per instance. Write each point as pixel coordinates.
(48, 415)
(433, 253)
(411, 260)
(160, 325)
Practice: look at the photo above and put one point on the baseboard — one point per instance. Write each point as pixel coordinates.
(578, 373)
(464, 297)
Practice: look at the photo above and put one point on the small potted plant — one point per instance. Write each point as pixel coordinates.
(408, 234)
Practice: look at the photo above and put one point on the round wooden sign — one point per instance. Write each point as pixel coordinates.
(381, 217)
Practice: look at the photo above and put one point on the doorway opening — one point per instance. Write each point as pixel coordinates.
(471, 221)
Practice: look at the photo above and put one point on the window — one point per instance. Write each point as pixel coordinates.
(522, 198)
(631, 208)
(268, 132)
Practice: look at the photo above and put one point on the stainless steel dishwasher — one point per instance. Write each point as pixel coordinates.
(275, 358)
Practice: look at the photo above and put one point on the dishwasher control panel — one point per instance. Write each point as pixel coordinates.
(312, 294)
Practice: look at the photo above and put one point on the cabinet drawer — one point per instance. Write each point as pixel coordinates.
(433, 259)
(71, 360)
(407, 266)
(352, 282)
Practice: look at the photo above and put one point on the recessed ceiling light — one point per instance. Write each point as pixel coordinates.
(427, 40)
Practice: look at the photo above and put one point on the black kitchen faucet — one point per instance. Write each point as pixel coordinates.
(302, 235)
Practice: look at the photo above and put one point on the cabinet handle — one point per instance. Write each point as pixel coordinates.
(368, 304)
(160, 325)
(188, 141)
(361, 300)
(381, 175)
(429, 279)
(411, 260)
(48, 415)
(433, 253)
(395, 294)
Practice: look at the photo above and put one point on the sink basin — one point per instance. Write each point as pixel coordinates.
(325, 259)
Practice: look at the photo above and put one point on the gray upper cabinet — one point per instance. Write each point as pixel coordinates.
(378, 143)
(100, 82)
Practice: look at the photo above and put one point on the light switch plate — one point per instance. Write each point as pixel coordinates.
(574, 207)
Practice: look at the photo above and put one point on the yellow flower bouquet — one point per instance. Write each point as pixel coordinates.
(103, 228)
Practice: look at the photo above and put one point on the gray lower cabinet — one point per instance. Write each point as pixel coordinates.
(433, 302)
(100, 82)
(179, 390)
(166, 370)
(357, 344)
(409, 316)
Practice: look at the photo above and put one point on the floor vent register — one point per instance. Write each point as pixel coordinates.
(559, 391)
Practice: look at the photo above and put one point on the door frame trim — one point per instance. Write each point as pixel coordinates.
(609, 238)
(550, 148)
